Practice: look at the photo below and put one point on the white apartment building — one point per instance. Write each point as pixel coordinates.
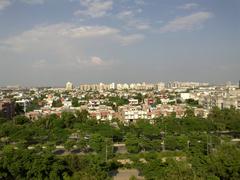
(133, 101)
(132, 113)
(112, 86)
(93, 104)
(67, 104)
(187, 85)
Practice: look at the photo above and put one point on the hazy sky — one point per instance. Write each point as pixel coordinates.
(49, 42)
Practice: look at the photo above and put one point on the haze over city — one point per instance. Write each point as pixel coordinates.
(119, 89)
(45, 42)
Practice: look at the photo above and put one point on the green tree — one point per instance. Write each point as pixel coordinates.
(189, 112)
(20, 120)
(25, 164)
(57, 103)
(192, 102)
(19, 109)
(82, 116)
(75, 102)
(132, 143)
(68, 118)
(34, 104)
(139, 97)
(69, 144)
(225, 163)
(97, 143)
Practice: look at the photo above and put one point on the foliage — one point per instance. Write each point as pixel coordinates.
(19, 110)
(97, 143)
(195, 148)
(225, 163)
(57, 103)
(25, 164)
(191, 102)
(20, 120)
(116, 101)
(34, 104)
(132, 143)
(139, 97)
(75, 102)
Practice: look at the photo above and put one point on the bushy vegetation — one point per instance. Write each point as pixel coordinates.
(172, 148)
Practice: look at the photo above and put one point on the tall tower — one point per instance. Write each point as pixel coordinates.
(69, 86)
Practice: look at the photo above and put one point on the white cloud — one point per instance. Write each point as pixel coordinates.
(33, 1)
(189, 23)
(125, 14)
(140, 25)
(65, 32)
(130, 19)
(57, 31)
(130, 39)
(140, 2)
(4, 4)
(88, 31)
(95, 8)
(96, 61)
(189, 6)
(64, 46)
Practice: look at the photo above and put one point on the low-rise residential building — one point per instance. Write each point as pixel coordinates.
(220, 101)
(201, 112)
(101, 112)
(133, 101)
(7, 108)
(102, 115)
(130, 113)
(167, 110)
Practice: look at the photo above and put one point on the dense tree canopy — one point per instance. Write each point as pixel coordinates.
(173, 148)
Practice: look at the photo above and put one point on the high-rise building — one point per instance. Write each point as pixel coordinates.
(112, 86)
(69, 86)
(160, 86)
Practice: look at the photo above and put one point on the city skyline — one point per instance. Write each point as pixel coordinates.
(46, 42)
(131, 85)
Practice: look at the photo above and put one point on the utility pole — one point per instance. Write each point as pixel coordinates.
(163, 143)
(207, 144)
(106, 151)
(112, 145)
(210, 144)
(24, 107)
(163, 146)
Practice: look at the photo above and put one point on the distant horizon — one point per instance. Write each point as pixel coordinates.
(106, 82)
(63, 83)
